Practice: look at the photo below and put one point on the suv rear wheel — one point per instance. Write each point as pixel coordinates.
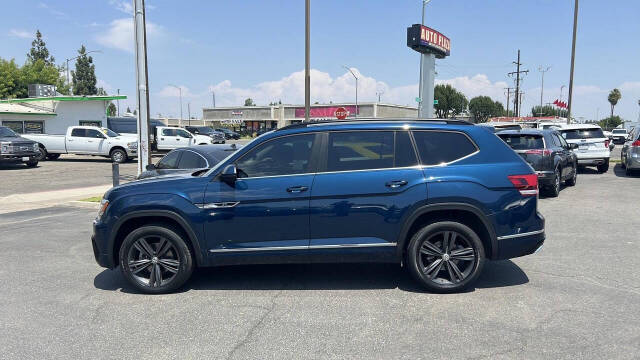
(155, 259)
(445, 256)
(604, 167)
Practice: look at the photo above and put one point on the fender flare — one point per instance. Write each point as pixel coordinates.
(402, 238)
(193, 239)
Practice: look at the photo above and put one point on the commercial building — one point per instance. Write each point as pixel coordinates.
(255, 118)
(53, 115)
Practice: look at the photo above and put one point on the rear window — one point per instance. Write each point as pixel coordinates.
(523, 142)
(574, 134)
(620, 131)
(441, 147)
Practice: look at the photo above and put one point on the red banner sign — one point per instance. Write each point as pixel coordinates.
(434, 39)
(325, 111)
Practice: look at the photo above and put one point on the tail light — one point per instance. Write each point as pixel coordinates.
(636, 143)
(606, 143)
(526, 184)
(546, 152)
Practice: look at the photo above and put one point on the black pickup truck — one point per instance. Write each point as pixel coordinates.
(14, 148)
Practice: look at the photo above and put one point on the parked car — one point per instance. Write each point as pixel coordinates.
(188, 160)
(217, 136)
(441, 197)
(630, 152)
(86, 140)
(229, 134)
(499, 126)
(618, 136)
(169, 138)
(14, 148)
(593, 146)
(548, 153)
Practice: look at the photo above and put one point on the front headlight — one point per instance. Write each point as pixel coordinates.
(132, 145)
(104, 204)
(4, 148)
(36, 147)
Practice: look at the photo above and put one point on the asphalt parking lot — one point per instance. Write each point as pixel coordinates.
(578, 298)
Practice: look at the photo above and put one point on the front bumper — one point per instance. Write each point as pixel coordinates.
(18, 157)
(521, 244)
(132, 152)
(99, 243)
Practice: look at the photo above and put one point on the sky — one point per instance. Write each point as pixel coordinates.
(251, 48)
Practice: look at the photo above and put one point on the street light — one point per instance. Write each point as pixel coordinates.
(73, 58)
(542, 70)
(213, 96)
(355, 77)
(180, 90)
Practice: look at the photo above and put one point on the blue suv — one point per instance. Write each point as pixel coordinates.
(439, 197)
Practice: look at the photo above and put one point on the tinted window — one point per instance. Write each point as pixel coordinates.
(523, 142)
(16, 126)
(619, 131)
(282, 156)
(6, 132)
(168, 132)
(191, 160)
(78, 132)
(438, 147)
(360, 150)
(169, 161)
(94, 134)
(405, 155)
(574, 134)
(182, 133)
(563, 143)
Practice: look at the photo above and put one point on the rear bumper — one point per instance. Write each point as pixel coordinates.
(592, 161)
(521, 244)
(633, 161)
(545, 177)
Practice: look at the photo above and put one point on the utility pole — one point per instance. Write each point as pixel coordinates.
(180, 92)
(118, 101)
(142, 75)
(508, 97)
(307, 58)
(517, 73)
(213, 97)
(189, 113)
(542, 70)
(573, 57)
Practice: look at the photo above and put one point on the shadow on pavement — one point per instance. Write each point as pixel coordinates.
(16, 166)
(620, 172)
(317, 277)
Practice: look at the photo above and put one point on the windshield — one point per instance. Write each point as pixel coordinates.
(109, 133)
(619, 131)
(523, 142)
(574, 134)
(205, 130)
(6, 132)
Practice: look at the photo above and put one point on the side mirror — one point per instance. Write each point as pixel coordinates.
(612, 145)
(573, 146)
(150, 167)
(229, 174)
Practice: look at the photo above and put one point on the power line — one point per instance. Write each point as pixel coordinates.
(517, 73)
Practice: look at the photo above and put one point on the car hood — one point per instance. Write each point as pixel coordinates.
(18, 139)
(183, 185)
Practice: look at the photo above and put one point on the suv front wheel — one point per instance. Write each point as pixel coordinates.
(445, 256)
(155, 259)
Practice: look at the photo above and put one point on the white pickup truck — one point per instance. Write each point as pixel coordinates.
(169, 138)
(86, 140)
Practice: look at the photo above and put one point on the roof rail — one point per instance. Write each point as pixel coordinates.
(358, 120)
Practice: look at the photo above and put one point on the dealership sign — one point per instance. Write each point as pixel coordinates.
(426, 40)
(325, 111)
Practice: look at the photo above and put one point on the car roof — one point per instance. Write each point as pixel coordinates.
(214, 152)
(372, 124)
(579, 126)
(526, 131)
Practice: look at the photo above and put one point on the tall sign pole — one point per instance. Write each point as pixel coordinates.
(422, 56)
(307, 67)
(573, 57)
(142, 82)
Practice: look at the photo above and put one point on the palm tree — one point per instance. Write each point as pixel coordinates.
(614, 97)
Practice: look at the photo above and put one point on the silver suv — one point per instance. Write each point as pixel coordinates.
(593, 145)
(630, 153)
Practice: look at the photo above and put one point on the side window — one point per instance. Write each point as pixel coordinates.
(360, 150)
(94, 134)
(191, 160)
(78, 132)
(182, 133)
(287, 155)
(169, 161)
(441, 147)
(563, 142)
(405, 155)
(168, 132)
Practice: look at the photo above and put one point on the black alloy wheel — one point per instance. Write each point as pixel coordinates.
(574, 178)
(554, 189)
(155, 259)
(42, 154)
(445, 256)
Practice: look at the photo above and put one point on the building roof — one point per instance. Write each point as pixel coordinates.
(19, 109)
(302, 105)
(64, 98)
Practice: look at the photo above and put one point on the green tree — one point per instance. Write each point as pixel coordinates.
(84, 77)
(39, 51)
(249, 102)
(451, 102)
(39, 72)
(610, 122)
(111, 109)
(548, 110)
(482, 108)
(129, 110)
(9, 79)
(613, 98)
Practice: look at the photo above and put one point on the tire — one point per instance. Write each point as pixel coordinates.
(622, 164)
(31, 164)
(437, 272)
(574, 178)
(118, 156)
(42, 156)
(627, 171)
(603, 168)
(53, 156)
(140, 264)
(554, 190)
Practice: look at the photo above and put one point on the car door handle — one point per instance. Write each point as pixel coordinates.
(396, 184)
(297, 189)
